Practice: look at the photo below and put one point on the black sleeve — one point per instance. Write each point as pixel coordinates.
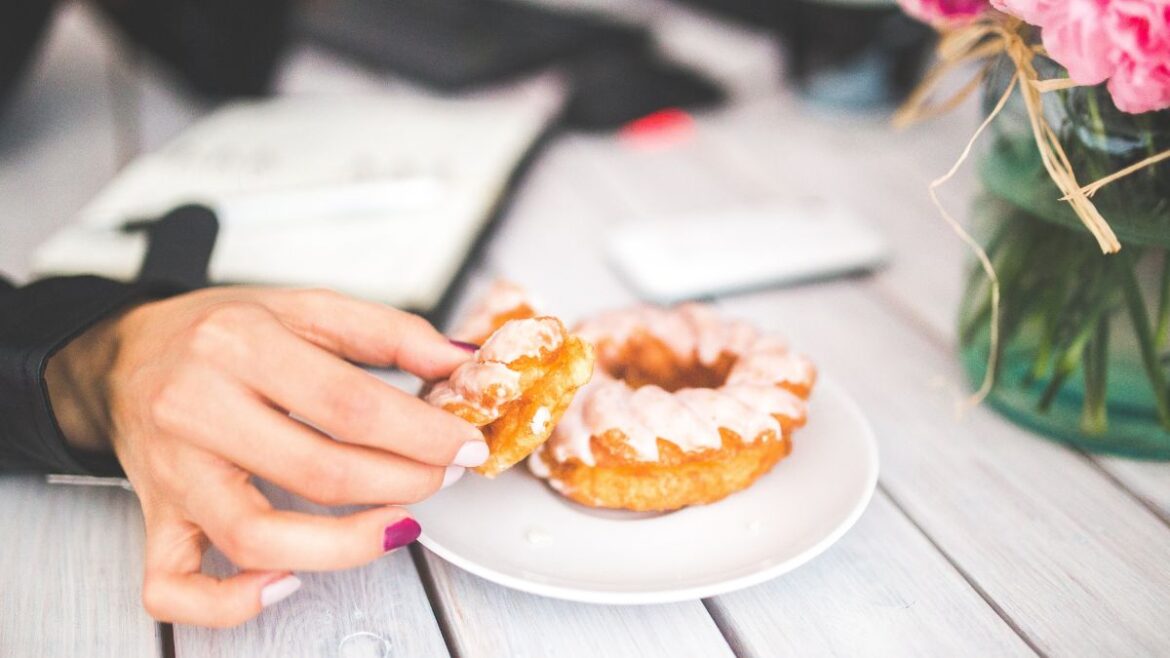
(40, 318)
(35, 321)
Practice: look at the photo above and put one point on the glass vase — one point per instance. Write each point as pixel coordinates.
(1084, 349)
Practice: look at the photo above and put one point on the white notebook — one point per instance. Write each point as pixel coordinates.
(380, 196)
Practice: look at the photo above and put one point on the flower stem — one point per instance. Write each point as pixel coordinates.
(1095, 117)
(1049, 312)
(1078, 323)
(1094, 415)
(1162, 333)
(1065, 365)
(1141, 324)
(1147, 126)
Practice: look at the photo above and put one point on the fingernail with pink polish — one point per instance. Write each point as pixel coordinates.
(466, 347)
(471, 454)
(400, 534)
(279, 590)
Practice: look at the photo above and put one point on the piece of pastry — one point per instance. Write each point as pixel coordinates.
(685, 408)
(518, 383)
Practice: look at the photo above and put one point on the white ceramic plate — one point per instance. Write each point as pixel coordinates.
(517, 532)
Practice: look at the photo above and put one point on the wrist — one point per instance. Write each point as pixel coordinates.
(76, 379)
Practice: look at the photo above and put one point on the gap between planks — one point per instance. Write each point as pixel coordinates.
(430, 588)
(967, 577)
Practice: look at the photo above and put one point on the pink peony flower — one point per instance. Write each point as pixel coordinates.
(1073, 33)
(1139, 33)
(1029, 11)
(944, 12)
(1137, 89)
(1124, 42)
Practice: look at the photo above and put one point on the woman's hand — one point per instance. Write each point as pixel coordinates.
(194, 395)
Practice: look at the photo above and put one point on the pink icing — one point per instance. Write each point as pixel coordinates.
(609, 407)
(664, 415)
(689, 418)
(720, 409)
(774, 399)
(442, 394)
(689, 330)
(486, 383)
(519, 338)
(502, 297)
(772, 368)
(711, 335)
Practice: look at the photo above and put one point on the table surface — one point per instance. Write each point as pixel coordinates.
(982, 539)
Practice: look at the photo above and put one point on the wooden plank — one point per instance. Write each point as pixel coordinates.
(484, 619)
(1149, 481)
(882, 591)
(571, 199)
(1069, 558)
(780, 152)
(71, 569)
(1035, 526)
(380, 609)
(889, 183)
(71, 565)
(57, 140)
(481, 618)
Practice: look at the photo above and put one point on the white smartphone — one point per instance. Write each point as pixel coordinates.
(673, 259)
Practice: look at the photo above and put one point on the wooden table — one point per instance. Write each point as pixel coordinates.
(982, 539)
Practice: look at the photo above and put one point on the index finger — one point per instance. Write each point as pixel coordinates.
(367, 332)
(350, 404)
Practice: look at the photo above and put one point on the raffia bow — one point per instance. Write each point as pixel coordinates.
(983, 40)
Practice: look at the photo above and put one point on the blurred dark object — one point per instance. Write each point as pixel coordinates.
(852, 53)
(220, 47)
(847, 53)
(456, 45)
(614, 86)
(756, 12)
(21, 24)
(180, 246)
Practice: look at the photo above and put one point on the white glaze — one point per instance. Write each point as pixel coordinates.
(771, 367)
(722, 410)
(502, 297)
(609, 407)
(486, 383)
(712, 335)
(540, 420)
(486, 379)
(775, 400)
(747, 404)
(537, 466)
(574, 436)
(520, 338)
(612, 329)
(443, 394)
(664, 415)
(690, 330)
(483, 386)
